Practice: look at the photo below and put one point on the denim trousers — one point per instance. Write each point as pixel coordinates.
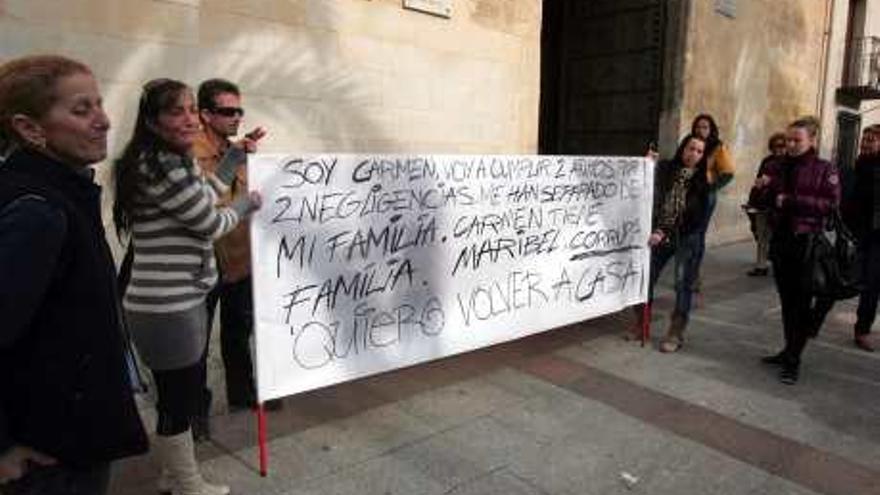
(685, 251)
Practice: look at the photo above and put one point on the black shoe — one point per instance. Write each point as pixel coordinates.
(775, 359)
(758, 272)
(788, 374)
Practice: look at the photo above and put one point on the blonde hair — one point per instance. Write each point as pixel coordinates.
(808, 123)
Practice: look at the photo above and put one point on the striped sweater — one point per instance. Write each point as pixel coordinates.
(175, 220)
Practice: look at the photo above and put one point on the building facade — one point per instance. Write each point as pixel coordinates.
(469, 76)
(851, 97)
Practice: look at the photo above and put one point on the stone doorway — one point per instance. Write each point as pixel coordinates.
(601, 75)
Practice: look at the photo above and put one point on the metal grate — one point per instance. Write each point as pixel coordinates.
(863, 63)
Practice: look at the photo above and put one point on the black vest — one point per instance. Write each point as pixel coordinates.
(65, 389)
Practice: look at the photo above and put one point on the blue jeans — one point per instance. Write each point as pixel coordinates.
(61, 480)
(686, 251)
(711, 203)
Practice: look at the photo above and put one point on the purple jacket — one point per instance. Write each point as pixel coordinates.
(810, 187)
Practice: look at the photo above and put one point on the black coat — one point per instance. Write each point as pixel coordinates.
(858, 209)
(65, 389)
(696, 200)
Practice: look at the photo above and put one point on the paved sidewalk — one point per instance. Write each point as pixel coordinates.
(580, 411)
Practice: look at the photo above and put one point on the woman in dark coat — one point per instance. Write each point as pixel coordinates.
(66, 405)
(802, 193)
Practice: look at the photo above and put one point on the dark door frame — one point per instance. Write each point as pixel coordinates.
(674, 45)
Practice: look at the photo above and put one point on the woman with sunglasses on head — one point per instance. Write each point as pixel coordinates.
(170, 210)
(66, 403)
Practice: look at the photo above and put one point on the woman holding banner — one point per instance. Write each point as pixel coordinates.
(171, 212)
(680, 202)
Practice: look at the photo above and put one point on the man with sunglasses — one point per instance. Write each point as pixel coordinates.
(221, 114)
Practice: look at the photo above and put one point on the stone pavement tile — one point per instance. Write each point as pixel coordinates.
(436, 459)
(779, 486)
(552, 415)
(365, 436)
(746, 391)
(663, 464)
(761, 448)
(524, 385)
(330, 403)
(498, 482)
(240, 472)
(383, 475)
(458, 403)
(486, 442)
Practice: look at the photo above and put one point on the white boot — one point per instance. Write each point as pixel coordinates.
(178, 457)
(164, 483)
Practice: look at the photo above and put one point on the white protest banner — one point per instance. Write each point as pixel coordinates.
(368, 263)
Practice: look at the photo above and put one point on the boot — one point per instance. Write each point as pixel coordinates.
(635, 331)
(675, 334)
(164, 483)
(178, 457)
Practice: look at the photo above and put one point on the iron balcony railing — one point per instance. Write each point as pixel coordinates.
(863, 64)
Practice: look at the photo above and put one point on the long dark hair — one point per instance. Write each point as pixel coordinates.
(158, 96)
(700, 180)
(679, 153)
(714, 138)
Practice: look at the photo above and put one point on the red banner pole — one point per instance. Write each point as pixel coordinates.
(261, 440)
(646, 323)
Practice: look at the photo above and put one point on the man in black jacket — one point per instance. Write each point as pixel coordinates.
(864, 215)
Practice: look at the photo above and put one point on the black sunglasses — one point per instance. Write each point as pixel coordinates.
(228, 111)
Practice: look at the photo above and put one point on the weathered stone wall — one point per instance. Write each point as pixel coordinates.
(754, 73)
(320, 75)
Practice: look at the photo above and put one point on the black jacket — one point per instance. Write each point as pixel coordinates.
(858, 210)
(65, 389)
(696, 200)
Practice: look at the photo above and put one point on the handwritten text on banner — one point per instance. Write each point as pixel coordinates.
(367, 263)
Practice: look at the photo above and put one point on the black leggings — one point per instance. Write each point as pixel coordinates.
(179, 397)
(802, 313)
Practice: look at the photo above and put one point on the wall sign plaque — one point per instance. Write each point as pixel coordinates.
(441, 8)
